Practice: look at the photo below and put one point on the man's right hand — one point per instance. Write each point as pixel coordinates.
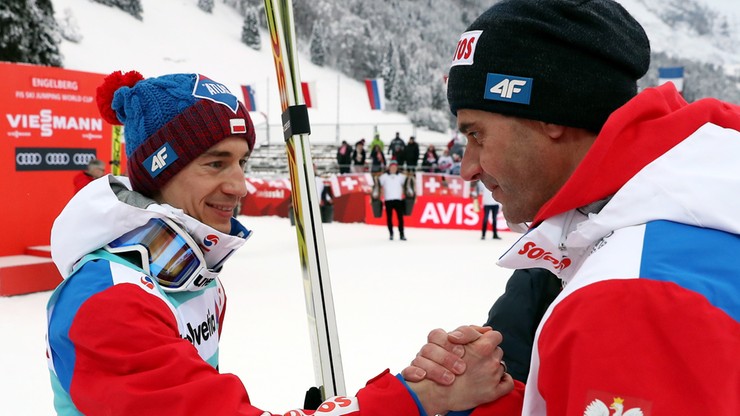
(482, 379)
(441, 359)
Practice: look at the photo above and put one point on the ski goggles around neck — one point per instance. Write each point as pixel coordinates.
(166, 253)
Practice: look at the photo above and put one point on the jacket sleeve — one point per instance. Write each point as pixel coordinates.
(131, 360)
(643, 344)
(509, 405)
(517, 314)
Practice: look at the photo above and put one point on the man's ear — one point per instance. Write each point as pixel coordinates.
(554, 131)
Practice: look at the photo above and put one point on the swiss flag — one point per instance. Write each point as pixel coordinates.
(351, 183)
(441, 184)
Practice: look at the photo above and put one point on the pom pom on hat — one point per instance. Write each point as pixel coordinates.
(567, 62)
(106, 90)
(169, 121)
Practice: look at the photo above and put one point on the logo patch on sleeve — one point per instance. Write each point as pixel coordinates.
(508, 88)
(208, 89)
(466, 48)
(159, 160)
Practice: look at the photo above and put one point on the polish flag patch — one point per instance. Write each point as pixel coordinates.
(238, 125)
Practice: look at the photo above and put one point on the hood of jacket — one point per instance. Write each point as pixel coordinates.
(637, 135)
(107, 208)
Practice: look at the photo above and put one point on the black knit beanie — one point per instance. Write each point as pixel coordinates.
(567, 62)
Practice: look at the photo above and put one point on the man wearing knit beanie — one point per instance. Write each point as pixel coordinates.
(626, 197)
(134, 327)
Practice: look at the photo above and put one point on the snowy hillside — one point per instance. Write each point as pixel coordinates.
(176, 36)
(702, 30)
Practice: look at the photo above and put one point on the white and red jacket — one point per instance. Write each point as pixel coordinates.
(645, 236)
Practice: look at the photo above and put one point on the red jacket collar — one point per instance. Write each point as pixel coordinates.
(639, 132)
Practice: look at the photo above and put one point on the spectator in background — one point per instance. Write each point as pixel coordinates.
(456, 162)
(377, 160)
(430, 159)
(396, 148)
(411, 155)
(358, 157)
(377, 142)
(326, 198)
(392, 185)
(490, 208)
(444, 163)
(95, 169)
(458, 146)
(344, 157)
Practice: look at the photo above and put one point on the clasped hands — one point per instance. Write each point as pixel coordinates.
(459, 370)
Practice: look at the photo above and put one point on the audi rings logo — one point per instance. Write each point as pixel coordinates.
(28, 159)
(52, 158)
(56, 159)
(82, 159)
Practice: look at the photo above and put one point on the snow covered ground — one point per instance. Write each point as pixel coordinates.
(388, 296)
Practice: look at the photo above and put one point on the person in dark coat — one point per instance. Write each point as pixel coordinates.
(396, 148)
(430, 159)
(377, 159)
(344, 157)
(411, 154)
(358, 157)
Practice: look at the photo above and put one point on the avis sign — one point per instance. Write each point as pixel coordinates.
(455, 214)
(437, 211)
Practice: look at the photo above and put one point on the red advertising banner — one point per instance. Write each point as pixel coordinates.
(266, 197)
(436, 211)
(443, 202)
(50, 128)
(439, 211)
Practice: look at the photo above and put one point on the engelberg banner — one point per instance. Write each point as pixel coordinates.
(50, 127)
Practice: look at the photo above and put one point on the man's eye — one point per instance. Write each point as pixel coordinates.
(216, 164)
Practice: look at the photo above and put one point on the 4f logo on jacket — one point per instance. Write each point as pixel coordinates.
(500, 87)
(160, 159)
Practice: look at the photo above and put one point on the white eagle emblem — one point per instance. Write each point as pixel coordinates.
(598, 408)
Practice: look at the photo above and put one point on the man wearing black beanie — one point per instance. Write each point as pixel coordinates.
(630, 199)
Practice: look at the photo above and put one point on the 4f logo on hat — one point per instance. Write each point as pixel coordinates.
(466, 48)
(159, 160)
(208, 89)
(508, 88)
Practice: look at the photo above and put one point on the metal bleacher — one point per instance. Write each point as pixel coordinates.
(270, 160)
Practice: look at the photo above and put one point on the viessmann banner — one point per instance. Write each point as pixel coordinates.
(50, 128)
